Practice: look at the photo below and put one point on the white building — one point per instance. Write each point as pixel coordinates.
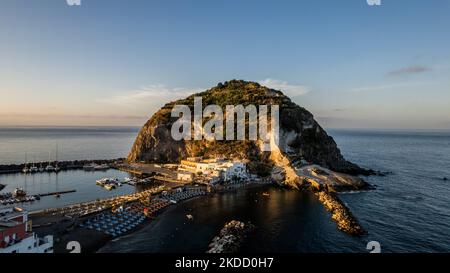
(16, 235)
(185, 176)
(216, 170)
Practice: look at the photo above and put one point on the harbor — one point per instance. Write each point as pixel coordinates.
(83, 182)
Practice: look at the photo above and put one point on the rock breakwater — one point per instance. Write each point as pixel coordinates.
(230, 237)
(340, 213)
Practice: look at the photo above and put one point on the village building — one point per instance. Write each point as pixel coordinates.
(185, 176)
(215, 170)
(16, 235)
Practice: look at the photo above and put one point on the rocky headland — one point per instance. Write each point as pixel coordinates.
(305, 158)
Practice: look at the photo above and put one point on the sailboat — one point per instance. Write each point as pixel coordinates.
(25, 168)
(49, 167)
(57, 168)
(33, 168)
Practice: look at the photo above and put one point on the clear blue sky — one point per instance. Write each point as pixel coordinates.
(111, 62)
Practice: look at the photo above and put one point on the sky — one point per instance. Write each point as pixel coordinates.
(112, 62)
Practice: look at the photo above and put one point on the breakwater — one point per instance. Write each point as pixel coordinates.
(230, 237)
(63, 165)
(340, 213)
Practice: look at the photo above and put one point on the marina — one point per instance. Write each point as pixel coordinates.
(20, 196)
(81, 181)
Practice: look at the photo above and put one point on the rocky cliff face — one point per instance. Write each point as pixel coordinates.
(301, 137)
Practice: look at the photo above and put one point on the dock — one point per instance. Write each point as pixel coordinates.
(8, 199)
(55, 193)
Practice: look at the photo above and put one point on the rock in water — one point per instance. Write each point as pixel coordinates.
(302, 139)
(230, 238)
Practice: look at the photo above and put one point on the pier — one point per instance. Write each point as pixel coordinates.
(9, 199)
(153, 171)
(56, 193)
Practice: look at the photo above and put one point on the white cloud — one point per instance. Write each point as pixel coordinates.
(151, 94)
(386, 87)
(290, 90)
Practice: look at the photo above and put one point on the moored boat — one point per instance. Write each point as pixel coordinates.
(34, 169)
(109, 186)
(101, 167)
(49, 168)
(19, 192)
(89, 167)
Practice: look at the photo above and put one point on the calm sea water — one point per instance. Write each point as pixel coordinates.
(409, 211)
(79, 180)
(72, 143)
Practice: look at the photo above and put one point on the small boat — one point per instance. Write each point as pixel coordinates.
(101, 167)
(266, 194)
(25, 168)
(19, 192)
(41, 168)
(89, 167)
(57, 168)
(190, 217)
(34, 169)
(102, 181)
(109, 186)
(49, 168)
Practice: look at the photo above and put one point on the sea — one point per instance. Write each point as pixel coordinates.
(408, 212)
